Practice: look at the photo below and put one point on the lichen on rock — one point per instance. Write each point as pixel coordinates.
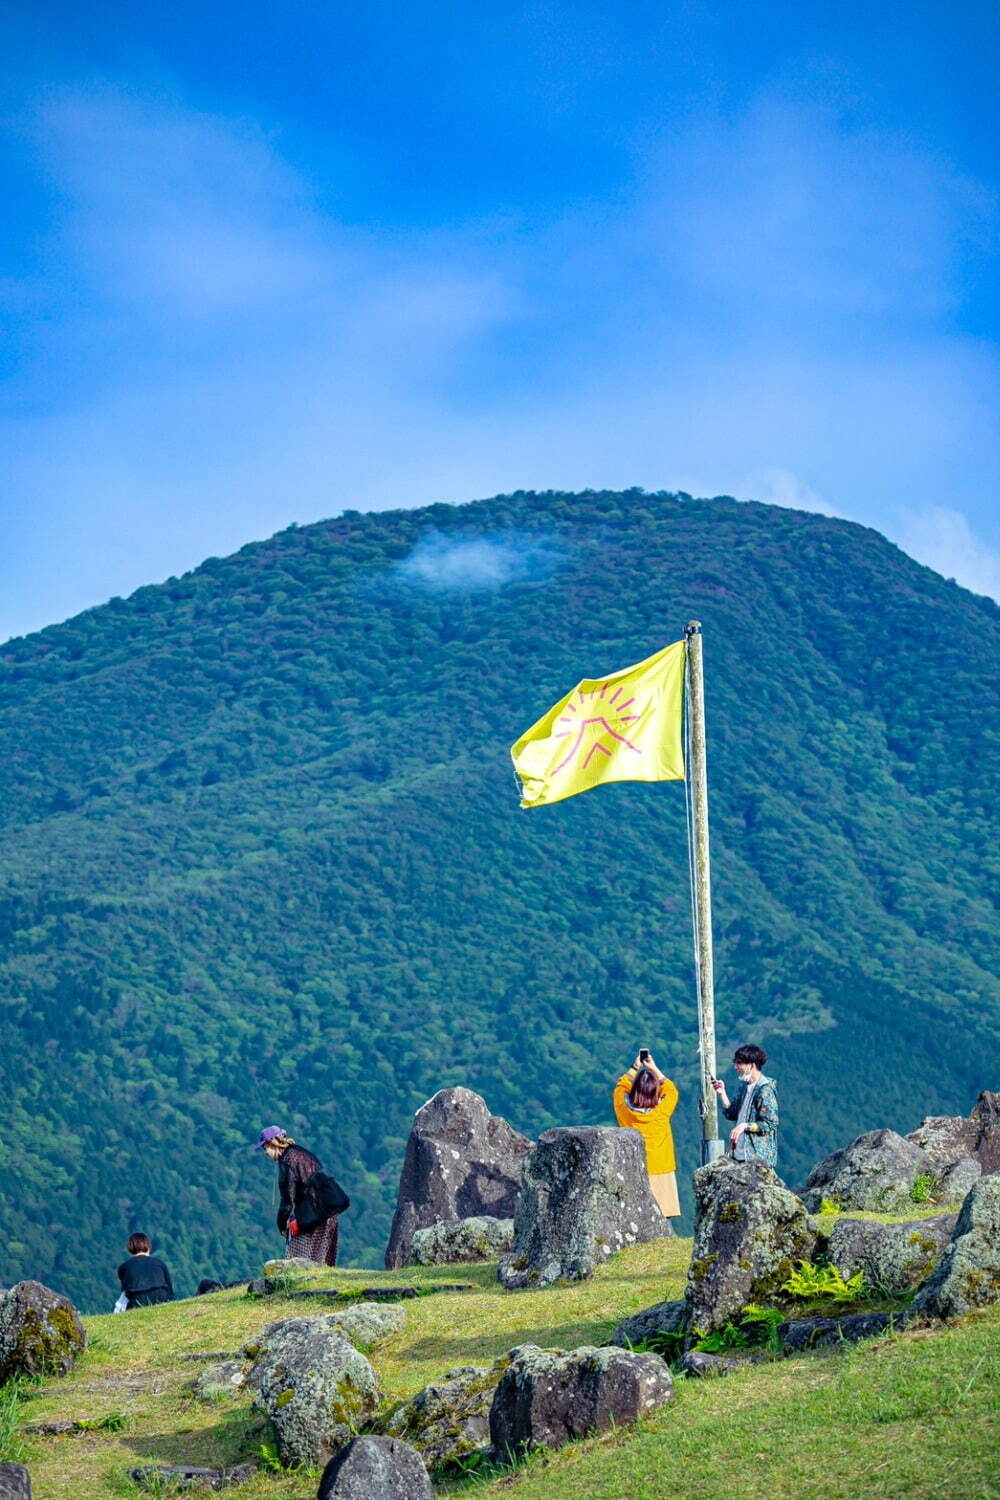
(40, 1332)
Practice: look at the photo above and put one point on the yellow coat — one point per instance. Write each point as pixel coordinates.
(652, 1124)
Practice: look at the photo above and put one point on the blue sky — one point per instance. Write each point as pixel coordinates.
(260, 264)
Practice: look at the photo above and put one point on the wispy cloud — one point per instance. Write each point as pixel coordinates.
(477, 562)
(770, 311)
(943, 539)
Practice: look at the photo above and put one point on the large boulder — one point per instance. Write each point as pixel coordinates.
(461, 1162)
(479, 1238)
(14, 1482)
(663, 1322)
(893, 1257)
(40, 1332)
(371, 1467)
(313, 1385)
(749, 1233)
(875, 1173)
(957, 1180)
(450, 1419)
(947, 1139)
(584, 1195)
(367, 1324)
(545, 1398)
(968, 1272)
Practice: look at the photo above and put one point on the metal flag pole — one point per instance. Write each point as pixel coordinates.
(701, 888)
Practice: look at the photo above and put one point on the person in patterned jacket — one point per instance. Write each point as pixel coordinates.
(754, 1137)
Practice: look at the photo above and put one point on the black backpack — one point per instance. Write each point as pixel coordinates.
(322, 1196)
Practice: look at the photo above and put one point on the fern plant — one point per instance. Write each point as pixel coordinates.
(811, 1282)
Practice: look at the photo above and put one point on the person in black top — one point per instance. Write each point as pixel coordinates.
(295, 1166)
(145, 1279)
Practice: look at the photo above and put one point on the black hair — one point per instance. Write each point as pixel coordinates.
(750, 1054)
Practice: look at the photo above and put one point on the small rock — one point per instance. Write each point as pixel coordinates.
(874, 1173)
(40, 1332)
(371, 1468)
(466, 1240)
(219, 1381)
(368, 1323)
(958, 1179)
(51, 1429)
(968, 1273)
(809, 1333)
(189, 1476)
(450, 1418)
(893, 1257)
(545, 1397)
(15, 1483)
(698, 1365)
(292, 1268)
(584, 1195)
(749, 1233)
(460, 1161)
(313, 1385)
(662, 1319)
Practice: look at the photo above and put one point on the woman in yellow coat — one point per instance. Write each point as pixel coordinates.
(644, 1101)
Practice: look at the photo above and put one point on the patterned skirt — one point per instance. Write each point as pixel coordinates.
(320, 1244)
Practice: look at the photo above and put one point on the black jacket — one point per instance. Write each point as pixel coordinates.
(145, 1281)
(295, 1165)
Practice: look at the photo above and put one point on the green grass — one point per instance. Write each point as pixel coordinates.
(913, 1415)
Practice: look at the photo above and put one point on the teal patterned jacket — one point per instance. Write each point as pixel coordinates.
(760, 1139)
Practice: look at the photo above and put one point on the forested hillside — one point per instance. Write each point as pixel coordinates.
(263, 861)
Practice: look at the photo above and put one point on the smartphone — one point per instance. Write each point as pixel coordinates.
(644, 1054)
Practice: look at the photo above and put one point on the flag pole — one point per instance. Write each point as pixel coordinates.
(701, 890)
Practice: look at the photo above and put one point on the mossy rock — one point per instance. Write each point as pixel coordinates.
(40, 1332)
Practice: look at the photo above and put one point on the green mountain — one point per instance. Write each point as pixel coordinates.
(263, 861)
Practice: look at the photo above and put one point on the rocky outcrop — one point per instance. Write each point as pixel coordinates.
(803, 1334)
(545, 1398)
(14, 1482)
(450, 1419)
(371, 1467)
(749, 1233)
(894, 1258)
(876, 1173)
(947, 1139)
(40, 1332)
(957, 1180)
(466, 1240)
(313, 1385)
(584, 1195)
(661, 1321)
(968, 1272)
(461, 1162)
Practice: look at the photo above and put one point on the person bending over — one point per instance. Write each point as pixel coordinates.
(296, 1166)
(144, 1278)
(644, 1101)
(754, 1107)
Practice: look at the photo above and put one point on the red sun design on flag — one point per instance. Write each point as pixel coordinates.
(594, 724)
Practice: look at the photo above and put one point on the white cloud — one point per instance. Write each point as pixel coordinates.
(943, 539)
(476, 562)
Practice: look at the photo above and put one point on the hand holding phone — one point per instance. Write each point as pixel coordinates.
(644, 1054)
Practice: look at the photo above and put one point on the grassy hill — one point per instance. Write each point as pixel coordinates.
(262, 859)
(912, 1414)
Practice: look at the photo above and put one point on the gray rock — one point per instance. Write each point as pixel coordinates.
(367, 1324)
(480, 1238)
(894, 1257)
(40, 1332)
(697, 1365)
(749, 1233)
(545, 1397)
(189, 1477)
(809, 1333)
(219, 1381)
(584, 1195)
(315, 1387)
(986, 1118)
(450, 1419)
(660, 1320)
(968, 1272)
(371, 1468)
(958, 1180)
(874, 1173)
(461, 1162)
(944, 1139)
(15, 1483)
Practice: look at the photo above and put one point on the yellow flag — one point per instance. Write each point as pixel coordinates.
(626, 727)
